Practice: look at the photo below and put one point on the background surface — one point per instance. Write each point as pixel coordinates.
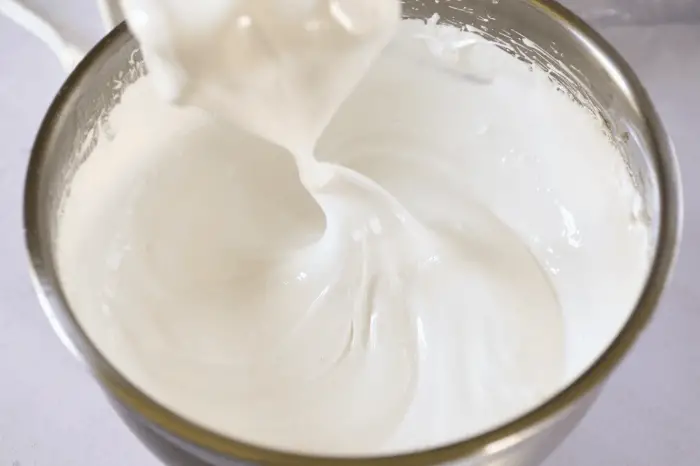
(52, 413)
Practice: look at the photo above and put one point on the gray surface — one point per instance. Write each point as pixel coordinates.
(52, 414)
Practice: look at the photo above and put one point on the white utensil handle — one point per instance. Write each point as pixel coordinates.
(67, 53)
(111, 12)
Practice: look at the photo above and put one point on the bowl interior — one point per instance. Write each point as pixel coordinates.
(539, 33)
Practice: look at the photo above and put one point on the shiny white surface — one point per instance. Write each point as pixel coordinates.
(416, 336)
(53, 414)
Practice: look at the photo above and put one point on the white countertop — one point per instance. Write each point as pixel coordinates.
(53, 414)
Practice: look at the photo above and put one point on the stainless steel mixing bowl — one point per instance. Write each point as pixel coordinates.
(581, 62)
